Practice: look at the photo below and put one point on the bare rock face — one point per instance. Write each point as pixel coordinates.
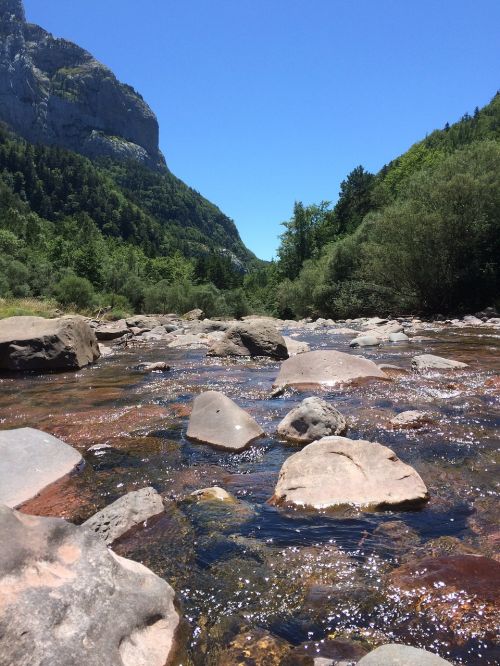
(394, 654)
(313, 419)
(431, 362)
(128, 511)
(35, 343)
(67, 599)
(326, 367)
(251, 338)
(52, 91)
(336, 471)
(218, 421)
(30, 460)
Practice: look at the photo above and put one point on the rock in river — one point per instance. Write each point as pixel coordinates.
(112, 330)
(410, 419)
(35, 343)
(336, 471)
(325, 367)
(401, 655)
(218, 421)
(127, 512)
(312, 419)
(251, 338)
(431, 362)
(67, 599)
(30, 460)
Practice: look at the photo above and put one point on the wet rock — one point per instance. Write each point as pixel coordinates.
(411, 419)
(254, 338)
(208, 326)
(112, 331)
(143, 322)
(255, 647)
(35, 343)
(470, 320)
(313, 419)
(459, 594)
(159, 366)
(128, 511)
(394, 654)
(431, 362)
(396, 535)
(384, 330)
(325, 367)
(398, 337)
(30, 460)
(365, 341)
(67, 599)
(218, 421)
(105, 351)
(213, 494)
(295, 346)
(337, 471)
(197, 313)
(392, 370)
(189, 340)
(325, 652)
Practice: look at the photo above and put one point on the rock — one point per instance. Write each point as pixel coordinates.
(487, 313)
(472, 321)
(398, 337)
(325, 367)
(253, 338)
(159, 366)
(213, 494)
(295, 346)
(30, 460)
(325, 652)
(35, 343)
(431, 362)
(67, 599)
(312, 419)
(394, 654)
(218, 421)
(143, 322)
(189, 340)
(365, 341)
(128, 511)
(105, 351)
(336, 471)
(208, 326)
(193, 314)
(384, 330)
(115, 329)
(410, 419)
(254, 647)
(391, 369)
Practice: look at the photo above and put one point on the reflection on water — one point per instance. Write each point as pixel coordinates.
(301, 575)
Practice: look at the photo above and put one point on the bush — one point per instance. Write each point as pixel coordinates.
(74, 290)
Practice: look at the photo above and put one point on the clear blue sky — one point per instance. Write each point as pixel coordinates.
(262, 102)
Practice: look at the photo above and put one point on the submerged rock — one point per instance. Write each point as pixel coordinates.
(325, 367)
(326, 652)
(394, 654)
(336, 471)
(35, 343)
(253, 647)
(128, 511)
(67, 599)
(30, 460)
(218, 421)
(431, 362)
(251, 338)
(213, 494)
(312, 419)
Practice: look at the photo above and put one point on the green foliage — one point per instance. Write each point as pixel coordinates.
(74, 290)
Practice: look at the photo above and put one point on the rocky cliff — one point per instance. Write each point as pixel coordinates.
(52, 91)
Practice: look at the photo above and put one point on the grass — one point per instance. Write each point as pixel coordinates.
(36, 307)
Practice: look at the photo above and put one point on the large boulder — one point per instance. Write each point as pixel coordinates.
(35, 343)
(128, 511)
(218, 421)
(251, 338)
(30, 460)
(431, 362)
(67, 599)
(401, 655)
(336, 471)
(111, 331)
(325, 367)
(313, 419)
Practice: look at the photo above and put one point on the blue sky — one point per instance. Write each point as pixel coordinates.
(264, 102)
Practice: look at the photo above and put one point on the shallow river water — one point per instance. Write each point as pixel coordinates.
(304, 576)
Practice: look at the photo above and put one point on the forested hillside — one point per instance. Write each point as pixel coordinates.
(422, 235)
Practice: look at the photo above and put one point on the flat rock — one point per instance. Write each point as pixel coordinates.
(326, 367)
(35, 343)
(112, 330)
(394, 654)
(30, 460)
(67, 599)
(127, 512)
(431, 362)
(251, 338)
(189, 340)
(410, 419)
(313, 419)
(218, 421)
(336, 471)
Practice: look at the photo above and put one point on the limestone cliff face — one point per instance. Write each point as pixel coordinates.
(52, 91)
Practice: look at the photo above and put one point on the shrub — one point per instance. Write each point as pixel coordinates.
(74, 290)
